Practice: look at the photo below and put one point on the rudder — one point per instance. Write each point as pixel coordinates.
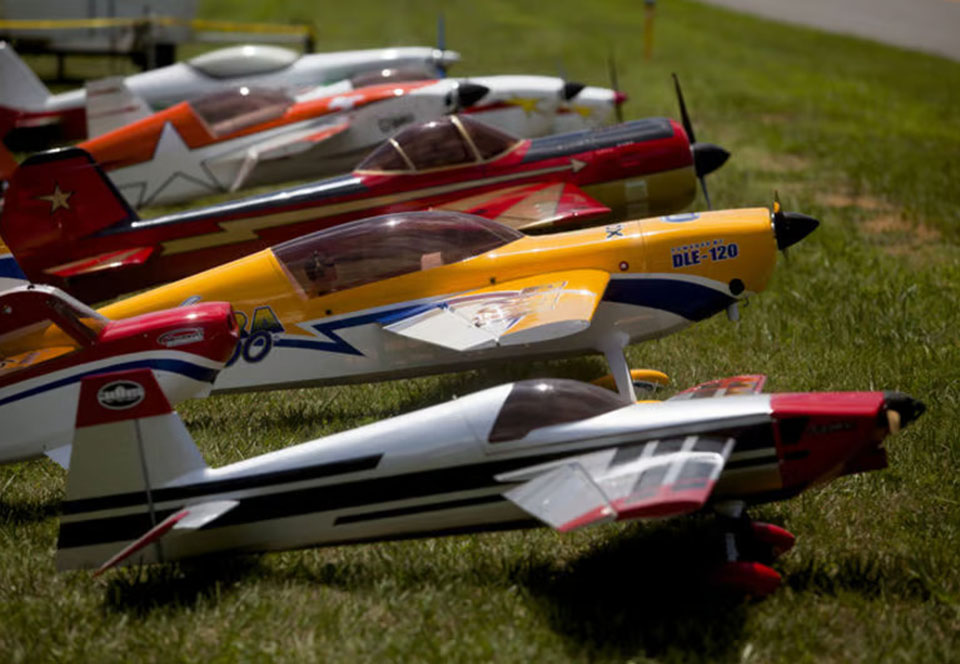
(128, 444)
(55, 198)
(22, 90)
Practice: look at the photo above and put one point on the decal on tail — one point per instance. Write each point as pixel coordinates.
(54, 198)
(128, 444)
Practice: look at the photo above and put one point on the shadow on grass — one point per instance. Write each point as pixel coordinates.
(21, 513)
(644, 593)
(142, 590)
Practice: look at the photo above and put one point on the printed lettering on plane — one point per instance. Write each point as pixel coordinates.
(121, 394)
(698, 253)
(256, 335)
(182, 337)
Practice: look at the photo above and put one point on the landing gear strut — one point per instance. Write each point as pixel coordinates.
(748, 547)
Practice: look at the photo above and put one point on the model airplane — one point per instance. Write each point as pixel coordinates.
(49, 342)
(67, 225)
(429, 292)
(249, 136)
(29, 108)
(543, 452)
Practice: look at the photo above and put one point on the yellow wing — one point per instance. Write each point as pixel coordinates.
(527, 310)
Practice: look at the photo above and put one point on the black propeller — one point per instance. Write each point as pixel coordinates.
(790, 227)
(902, 409)
(615, 85)
(707, 157)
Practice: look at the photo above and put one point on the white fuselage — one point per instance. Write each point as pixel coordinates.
(523, 106)
(170, 85)
(432, 471)
(38, 415)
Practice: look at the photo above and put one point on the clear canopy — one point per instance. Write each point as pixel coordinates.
(243, 60)
(227, 111)
(378, 248)
(448, 141)
(533, 404)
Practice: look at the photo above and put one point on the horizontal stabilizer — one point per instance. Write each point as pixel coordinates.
(527, 310)
(193, 517)
(532, 206)
(112, 105)
(723, 387)
(105, 261)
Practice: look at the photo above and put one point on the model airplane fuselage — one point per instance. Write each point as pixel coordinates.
(28, 105)
(40, 378)
(67, 226)
(429, 292)
(253, 136)
(552, 452)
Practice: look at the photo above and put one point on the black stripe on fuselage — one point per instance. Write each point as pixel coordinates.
(326, 498)
(561, 145)
(418, 509)
(258, 481)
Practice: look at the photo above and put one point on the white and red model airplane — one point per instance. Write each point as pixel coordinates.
(555, 452)
(50, 342)
(247, 136)
(28, 107)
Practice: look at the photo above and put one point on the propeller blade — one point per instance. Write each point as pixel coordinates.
(442, 44)
(706, 194)
(684, 116)
(619, 98)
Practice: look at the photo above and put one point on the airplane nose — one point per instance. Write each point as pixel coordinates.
(444, 57)
(708, 157)
(469, 94)
(791, 227)
(906, 409)
(620, 98)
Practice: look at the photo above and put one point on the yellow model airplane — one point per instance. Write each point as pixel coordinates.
(428, 292)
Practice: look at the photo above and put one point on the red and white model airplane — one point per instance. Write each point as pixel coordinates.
(247, 136)
(30, 109)
(67, 225)
(554, 452)
(50, 342)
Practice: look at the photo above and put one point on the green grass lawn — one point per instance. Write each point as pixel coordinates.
(862, 136)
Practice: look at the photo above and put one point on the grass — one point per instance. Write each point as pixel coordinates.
(863, 136)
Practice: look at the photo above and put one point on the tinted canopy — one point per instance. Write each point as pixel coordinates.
(533, 404)
(448, 141)
(227, 111)
(378, 248)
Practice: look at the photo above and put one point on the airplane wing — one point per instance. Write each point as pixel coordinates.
(530, 206)
(278, 147)
(192, 517)
(527, 310)
(105, 261)
(723, 387)
(111, 105)
(658, 479)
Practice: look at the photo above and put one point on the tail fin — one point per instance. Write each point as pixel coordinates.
(128, 446)
(111, 105)
(22, 90)
(54, 198)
